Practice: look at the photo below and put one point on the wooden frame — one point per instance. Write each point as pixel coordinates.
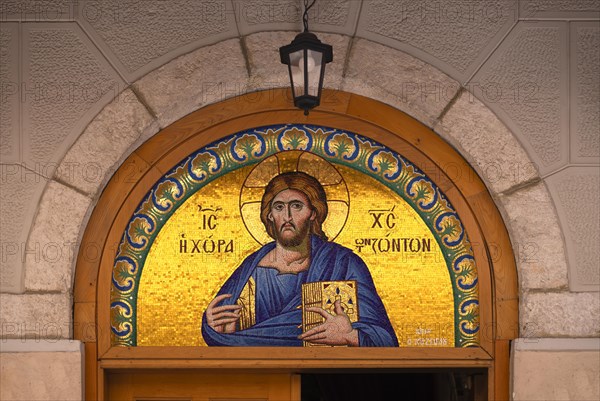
(396, 130)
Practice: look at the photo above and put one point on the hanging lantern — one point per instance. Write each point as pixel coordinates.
(306, 57)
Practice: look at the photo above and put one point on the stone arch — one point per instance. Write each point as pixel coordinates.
(457, 117)
(146, 164)
(190, 82)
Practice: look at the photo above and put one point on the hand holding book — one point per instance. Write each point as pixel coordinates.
(328, 310)
(336, 330)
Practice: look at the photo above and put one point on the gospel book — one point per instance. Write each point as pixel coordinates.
(323, 294)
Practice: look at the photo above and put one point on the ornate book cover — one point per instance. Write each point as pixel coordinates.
(247, 301)
(323, 294)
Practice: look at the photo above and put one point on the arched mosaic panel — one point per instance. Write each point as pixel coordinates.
(201, 221)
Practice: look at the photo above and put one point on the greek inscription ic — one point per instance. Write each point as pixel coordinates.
(209, 221)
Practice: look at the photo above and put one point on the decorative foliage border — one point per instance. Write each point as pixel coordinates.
(254, 145)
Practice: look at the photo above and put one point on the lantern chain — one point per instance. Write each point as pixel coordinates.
(305, 16)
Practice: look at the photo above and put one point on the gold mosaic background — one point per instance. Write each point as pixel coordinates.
(176, 287)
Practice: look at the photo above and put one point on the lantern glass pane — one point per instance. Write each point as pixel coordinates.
(297, 69)
(314, 71)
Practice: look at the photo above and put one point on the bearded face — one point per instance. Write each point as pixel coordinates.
(291, 217)
(291, 236)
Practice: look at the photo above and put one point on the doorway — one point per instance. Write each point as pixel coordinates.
(497, 280)
(349, 385)
(413, 385)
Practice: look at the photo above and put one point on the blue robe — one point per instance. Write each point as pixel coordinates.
(277, 315)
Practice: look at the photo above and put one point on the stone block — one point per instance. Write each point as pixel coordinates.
(140, 36)
(38, 317)
(267, 15)
(10, 105)
(91, 160)
(536, 238)
(555, 374)
(585, 92)
(338, 16)
(20, 192)
(400, 80)
(335, 16)
(207, 75)
(454, 36)
(487, 144)
(66, 80)
(266, 70)
(560, 314)
(525, 83)
(564, 9)
(37, 372)
(38, 10)
(575, 192)
(53, 241)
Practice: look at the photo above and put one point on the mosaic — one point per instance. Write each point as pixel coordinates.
(198, 264)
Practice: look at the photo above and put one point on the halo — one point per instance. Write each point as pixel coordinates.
(338, 199)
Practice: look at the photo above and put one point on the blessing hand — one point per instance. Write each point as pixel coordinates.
(222, 319)
(336, 330)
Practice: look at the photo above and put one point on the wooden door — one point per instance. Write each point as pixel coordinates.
(187, 385)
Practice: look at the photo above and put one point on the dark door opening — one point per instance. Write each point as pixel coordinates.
(409, 385)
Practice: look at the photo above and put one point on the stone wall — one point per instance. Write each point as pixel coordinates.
(555, 370)
(76, 103)
(41, 370)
